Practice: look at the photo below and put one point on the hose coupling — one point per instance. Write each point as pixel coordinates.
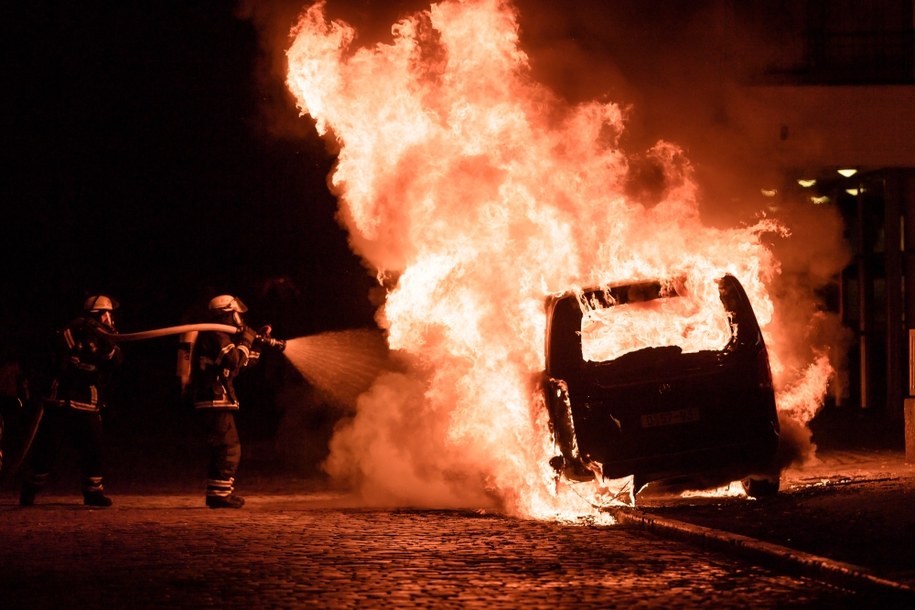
(271, 342)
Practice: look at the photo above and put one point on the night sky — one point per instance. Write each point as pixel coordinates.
(141, 160)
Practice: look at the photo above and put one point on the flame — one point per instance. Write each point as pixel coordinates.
(481, 192)
(800, 399)
(734, 489)
(694, 321)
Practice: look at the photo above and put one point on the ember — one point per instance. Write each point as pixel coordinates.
(482, 192)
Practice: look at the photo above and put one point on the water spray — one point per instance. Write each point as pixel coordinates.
(341, 364)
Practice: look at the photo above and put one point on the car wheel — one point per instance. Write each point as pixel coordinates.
(761, 488)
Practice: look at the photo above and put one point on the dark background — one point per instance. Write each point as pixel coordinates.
(151, 152)
(139, 162)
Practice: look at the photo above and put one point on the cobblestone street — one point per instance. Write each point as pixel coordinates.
(850, 506)
(297, 543)
(311, 550)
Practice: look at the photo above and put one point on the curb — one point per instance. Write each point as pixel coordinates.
(833, 572)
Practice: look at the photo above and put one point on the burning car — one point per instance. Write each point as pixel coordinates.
(676, 413)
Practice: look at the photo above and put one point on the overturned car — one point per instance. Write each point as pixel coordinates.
(676, 414)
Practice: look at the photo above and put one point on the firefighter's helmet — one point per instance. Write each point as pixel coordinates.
(99, 302)
(227, 303)
(101, 308)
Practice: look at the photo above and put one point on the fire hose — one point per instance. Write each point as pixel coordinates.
(172, 330)
(273, 342)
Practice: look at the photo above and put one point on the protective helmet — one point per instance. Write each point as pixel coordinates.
(99, 302)
(227, 303)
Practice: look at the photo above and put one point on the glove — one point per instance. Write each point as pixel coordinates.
(247, 336)
(265, 331)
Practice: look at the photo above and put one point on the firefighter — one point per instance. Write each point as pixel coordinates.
(86, 356)
(218, 357)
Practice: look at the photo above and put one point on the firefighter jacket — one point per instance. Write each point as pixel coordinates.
(217, 361)
(86, 357)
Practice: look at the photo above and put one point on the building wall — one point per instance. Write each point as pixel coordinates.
(833, 126)
(842, 95)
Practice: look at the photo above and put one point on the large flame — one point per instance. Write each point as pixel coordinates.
(474, 192)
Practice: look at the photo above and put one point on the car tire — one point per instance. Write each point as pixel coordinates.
(761, 487)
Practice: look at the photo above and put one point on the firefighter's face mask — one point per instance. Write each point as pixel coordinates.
(106, 319)
(237, 319)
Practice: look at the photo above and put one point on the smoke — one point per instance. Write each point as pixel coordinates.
(679, 67)
(675, 72)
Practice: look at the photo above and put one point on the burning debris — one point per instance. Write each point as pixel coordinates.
(483, 192)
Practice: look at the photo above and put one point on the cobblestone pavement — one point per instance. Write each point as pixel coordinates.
(851, 506)
(298, 545)
(310, 550)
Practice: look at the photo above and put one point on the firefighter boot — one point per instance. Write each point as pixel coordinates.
(221, 494)
(230, 501)
(30, 487)
(94, 492)
(27, 494)
(96, 498)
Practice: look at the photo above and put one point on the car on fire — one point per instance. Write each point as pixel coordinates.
(673, 417)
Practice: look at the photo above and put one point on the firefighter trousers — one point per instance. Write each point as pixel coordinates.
(84, 429)
(222, 442)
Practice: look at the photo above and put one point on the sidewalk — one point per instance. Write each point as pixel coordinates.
(852, 503)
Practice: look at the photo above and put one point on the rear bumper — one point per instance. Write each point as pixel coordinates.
(702, 468)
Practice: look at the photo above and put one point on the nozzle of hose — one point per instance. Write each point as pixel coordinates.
(271, 342)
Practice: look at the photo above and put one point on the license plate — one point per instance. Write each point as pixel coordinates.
(670, 418)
